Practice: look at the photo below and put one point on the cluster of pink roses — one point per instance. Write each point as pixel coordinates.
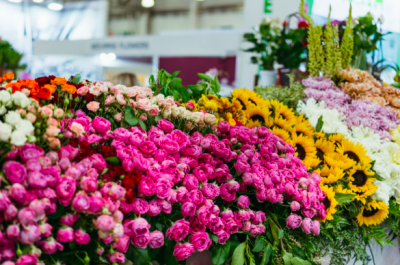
(36, 184)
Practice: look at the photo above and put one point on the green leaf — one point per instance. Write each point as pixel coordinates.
(320, 124)
(141, 123)
(220, 253)
(259, 244)
(59, 212)
(168, 252)
(298, 261)
(205, 77)
(77, 78)
(275, 234)
(138, 255)
(159, 226)
(238, 254)
(287, 257)
(298, 252)
(215, 238)
(281, 233)
(72, 245)
(114, 160)
(378, 177)
(267, 255)
(175, 74)
(234, 242)
(344, 197)
(274, 218)
(130, 117)
(217, 85)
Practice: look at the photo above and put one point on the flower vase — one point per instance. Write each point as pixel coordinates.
(267, 78)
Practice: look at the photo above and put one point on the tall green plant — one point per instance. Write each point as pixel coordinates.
(347, 42)
(9, 57)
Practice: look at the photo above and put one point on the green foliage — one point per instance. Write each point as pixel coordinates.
(9, 58)
(238, 254)
(330, 48)
(290, 96)
(347, 42)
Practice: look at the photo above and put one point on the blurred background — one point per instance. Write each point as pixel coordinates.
(126, 41)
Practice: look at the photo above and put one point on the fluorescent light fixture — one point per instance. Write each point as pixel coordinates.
(111, 56)
(55, 6)
(147, 3)
(15, 1)
(38, 1)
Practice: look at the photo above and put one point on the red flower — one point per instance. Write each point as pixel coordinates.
(85, 147)
(107, 178)
(135, 176)
(128, 183)
(74, 142)
(89, 97)
(119, 171)
(130, 196)
(302, 25)
(105, 149)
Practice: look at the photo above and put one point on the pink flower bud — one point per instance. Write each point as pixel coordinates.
(244, 202)
(88, 184)
(65, 234)
(183, 251)
(50, 246)
(295, 206)
(26, 260)
(104, 223)
(315, 228)
(293, 221)
(13, 231)
(188, 209)
(81, 202)
(38, 206)
(11, 212)
(122, 243)
(117, 192)
(26, 216)
(30, 234)
(45, 229)
(156, 239)
(37, 179)
(81, 237)
(69, 219)
(154, 208)
(227, 215)
(18, 193)
(307, 225)
(96, 204)
(200, 241)
(99, 251)
(117, 257)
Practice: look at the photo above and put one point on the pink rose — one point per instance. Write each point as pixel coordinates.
(163, 188)
(293, 221)
(17, 193)
(200, 241)
(65, 234)
(65, 190)
(45, 229)
(27, 260)
(104, 223)
(183, 251)
(118, 117)
(81, 202)
(69, 219)
(140, 206)
(14, 171)
(179, 230)
(307, 225)
(154, 110)
(232, 227)
(295, 206)
(10, 213)
(82, 91)
(117, 257)
(93, 106)
(190, 182)
(109, 100)
(188, 209)
(81, 237)
(144, 104)
(13, 231)
(136, 227)
(26, 216)
(141, 240)
(101, 125)
(244, 202)
(30, 151)
(156, 239)
(315, 228)
(223, 236)
(210, 191)
(50, 246)
(154, 208)
(122, 244)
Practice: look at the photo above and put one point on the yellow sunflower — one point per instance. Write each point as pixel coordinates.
(305, 149)
(313, 163)
(304, 128)
(273, 105)
(281, 133)
(374, 213)
(336, 138)
(229, 119)
(282, 123)
(330, 175)
(356, 152)
(330, 202)
(259, 114)
(242, 95)
(286, 113)
(319, 135)
(337, 160)
(340, 189)
(255, 98)
(362, 196)
(324, 147)
(360, 178)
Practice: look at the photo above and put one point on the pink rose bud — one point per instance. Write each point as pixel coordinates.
(38, 206)
(37, 179)
(117, 257)
(101, 125)
(88, 184)
(200, 241)
(50, 246)
(69, 219)
(81, 202)
(321, 214)
(118, 216)
(64, 163)
(26, 216)
(183, 251)
(65, 234)
(140, 206)
(227, 215)
(14, 171)
(45, 229)
(104, 223)
(293, 221)
(295, 206)
(30, 234)
(12, 231)
(260, 217)
(223, 236)
(26, 260)
(156, 239)
(179, 230)
(303, 183)
(244, 202)
(96, 204)
(99, 251)
(315, 228)
(122, 243)
(307, 225)
(18, 193)
(141, 241)
(154, 208)
(117, 192)
(165, 125)
(10, 213)
(166, 207)
(210, 191)
(188, 209)
(81, 237)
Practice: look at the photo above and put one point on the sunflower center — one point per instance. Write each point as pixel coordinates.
(241, 103)
(301, 151)
(258, 117)
(252, 101)
(352, 156)
(369, 213)
(299, 133)
(359, 178)
(327, 203)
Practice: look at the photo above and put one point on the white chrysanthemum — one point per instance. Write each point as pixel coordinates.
(12, 118)
(384, 192)
(18, 98)
(5, 96)
(3, 110)
(18, 138)
(25, 126)
(5, 132)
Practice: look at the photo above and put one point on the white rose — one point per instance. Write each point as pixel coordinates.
(5, 132)
(175, 111)
(12, 117)
(5, 96)
(25, 103)
(209, 118)
(2, 109)
(18, 138)
(18, 97)
(25, 126)
(167, 113)
(181, 112)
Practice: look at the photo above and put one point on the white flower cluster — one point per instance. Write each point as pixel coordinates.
(13, 128)
(384, 152)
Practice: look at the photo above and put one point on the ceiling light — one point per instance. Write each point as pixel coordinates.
(15, 1)
(147, 3)
(38, 1)
(55, 6)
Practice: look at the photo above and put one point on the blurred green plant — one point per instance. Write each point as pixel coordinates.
(9, 58)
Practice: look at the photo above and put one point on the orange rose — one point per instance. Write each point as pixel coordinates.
(69, 88)
(9, 76)
(59, 81)
(52, 88)
(44, 93)
(1, 80)
(14, 87)
(35, 91)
